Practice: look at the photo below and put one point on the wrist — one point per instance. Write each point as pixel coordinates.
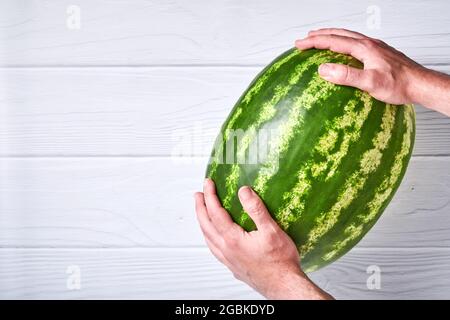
(296, 285)
(417, 85)
(426, 87)
(431, 89)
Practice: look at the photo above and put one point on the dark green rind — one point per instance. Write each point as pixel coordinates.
(350, 215)
(323, 194)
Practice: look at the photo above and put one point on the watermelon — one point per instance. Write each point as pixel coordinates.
(326, 159)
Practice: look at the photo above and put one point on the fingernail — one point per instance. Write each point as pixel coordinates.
(206, 182)
(245, 193)
(325, 70)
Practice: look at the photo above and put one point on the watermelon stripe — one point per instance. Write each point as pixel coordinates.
(245, 100)
(334, 163)
(218, 145)
(317, 90)
(256, 87)
(294, 199)
(384, 191)
(369, 162)
(350, 215)
(268, 111)
(351, 119)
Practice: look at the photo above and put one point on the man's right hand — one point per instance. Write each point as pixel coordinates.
(388, 74)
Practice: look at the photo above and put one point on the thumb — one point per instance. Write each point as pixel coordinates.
(255, 207)
(345, 75)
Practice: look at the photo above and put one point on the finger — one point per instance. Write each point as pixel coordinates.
(218, 215)
(345, 75)
(211, 200)
(256, 209)
(208, 229)
(217, 252)
(338, 32)
(341, 44)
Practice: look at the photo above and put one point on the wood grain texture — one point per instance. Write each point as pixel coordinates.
(140, 202)
(92, 122)
(138, 111)
(195, 274)
(421, 273)
(202, 32)
(117, 274)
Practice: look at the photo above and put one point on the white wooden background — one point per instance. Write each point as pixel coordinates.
(95, 127)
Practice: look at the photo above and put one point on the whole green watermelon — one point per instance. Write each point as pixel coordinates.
(326, 159)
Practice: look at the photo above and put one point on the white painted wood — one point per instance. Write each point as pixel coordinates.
(194, 274)
(117, 274)
(421, 273)
(90, 116)
(140, 202)
(203, 32)
(117, 111)
(138, 111)
(99, 202)
(418, 216)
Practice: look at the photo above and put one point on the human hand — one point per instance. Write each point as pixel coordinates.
(388, 74)
(266, 259)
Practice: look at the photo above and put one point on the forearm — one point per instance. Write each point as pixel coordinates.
(295, 286)
(431, 89)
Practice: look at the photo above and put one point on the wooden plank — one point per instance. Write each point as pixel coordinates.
(99, 202)
(418, 216)
(404, 274)
(138, 32)
(138, 111)
(140, 202)
(117, 274)
(195, 274)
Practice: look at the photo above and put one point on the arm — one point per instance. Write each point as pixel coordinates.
(266, 259)
(388, 74)
(431, 89)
